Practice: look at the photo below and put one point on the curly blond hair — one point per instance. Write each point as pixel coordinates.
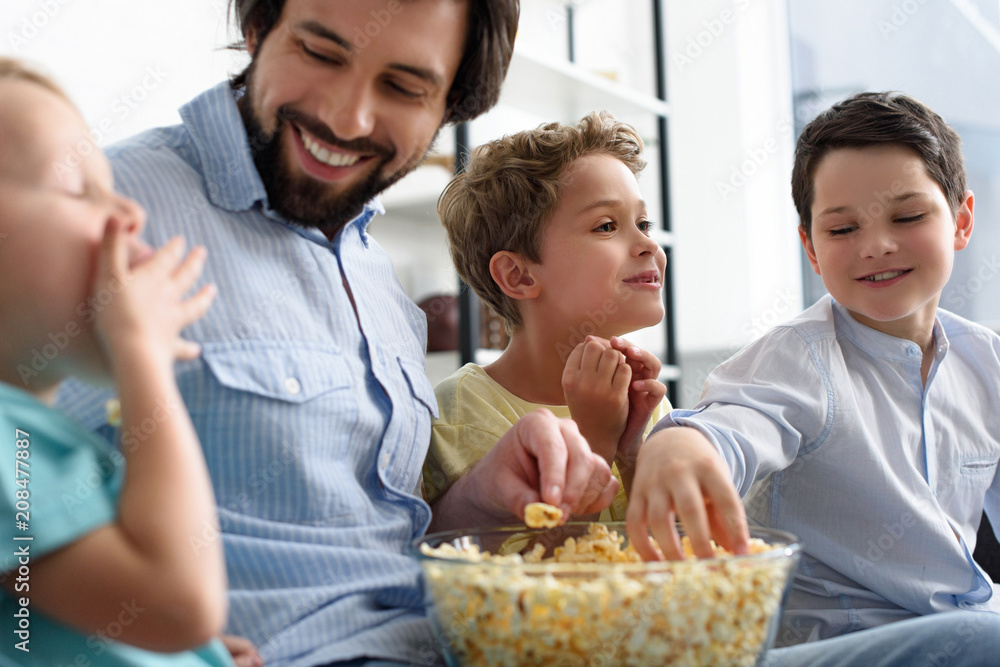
(510, 188)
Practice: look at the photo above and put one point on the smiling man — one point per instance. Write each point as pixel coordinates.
(310, 396)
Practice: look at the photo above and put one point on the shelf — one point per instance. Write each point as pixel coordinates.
(564, 91)
(414, 197)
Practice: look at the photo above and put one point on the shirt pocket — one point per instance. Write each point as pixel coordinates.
(275, 427)
(963, 497)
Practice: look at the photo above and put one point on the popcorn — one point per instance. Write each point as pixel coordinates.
(542, 515)
(113, 412)
(593, 602)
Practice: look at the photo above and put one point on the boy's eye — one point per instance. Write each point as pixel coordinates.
(605, 227)
(841, 231)
(911, 218)
(645, 226)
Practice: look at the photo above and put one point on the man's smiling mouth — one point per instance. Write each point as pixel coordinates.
(325, 155)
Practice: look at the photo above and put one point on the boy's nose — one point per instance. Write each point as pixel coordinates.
(878, 243)
(130, 214)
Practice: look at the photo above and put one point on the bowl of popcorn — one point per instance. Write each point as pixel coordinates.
(578, 594)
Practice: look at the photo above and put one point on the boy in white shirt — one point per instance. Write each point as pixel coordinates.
(868, 425)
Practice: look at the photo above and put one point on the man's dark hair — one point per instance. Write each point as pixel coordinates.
(488, 48)
(867, 119)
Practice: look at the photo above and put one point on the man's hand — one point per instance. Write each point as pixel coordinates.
(541, 458)
(680, 475)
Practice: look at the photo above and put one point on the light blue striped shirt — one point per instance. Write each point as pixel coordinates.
(314, 429)
(831, 435)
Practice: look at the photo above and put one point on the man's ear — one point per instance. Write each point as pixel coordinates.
(810, 251)
(963, 221)
(512, 274)
(251, 40)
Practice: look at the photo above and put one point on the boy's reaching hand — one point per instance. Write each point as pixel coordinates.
(680, 476)
(595, 383)
(147, 305)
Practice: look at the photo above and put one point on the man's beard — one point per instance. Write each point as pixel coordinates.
(299, 198)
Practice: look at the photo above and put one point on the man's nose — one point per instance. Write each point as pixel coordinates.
(350, 114)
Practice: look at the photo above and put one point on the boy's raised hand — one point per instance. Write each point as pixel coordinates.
(645, 393)
(595, 382)
(145, 295)
(680, 476)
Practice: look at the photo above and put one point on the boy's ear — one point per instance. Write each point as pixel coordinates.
(963, 221)
(810, 251)
(511, 273)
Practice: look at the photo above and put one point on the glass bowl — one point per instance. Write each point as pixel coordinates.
(506, 611)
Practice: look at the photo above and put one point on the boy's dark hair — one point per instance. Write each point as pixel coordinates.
(509, 189)
(867, 119)
(489, 43)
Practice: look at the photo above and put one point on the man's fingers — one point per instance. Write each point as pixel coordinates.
(543, 435)
(604, 498)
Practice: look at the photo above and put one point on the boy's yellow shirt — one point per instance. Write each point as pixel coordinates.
(475, 412)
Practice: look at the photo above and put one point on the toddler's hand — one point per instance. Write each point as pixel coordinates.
(145, 303)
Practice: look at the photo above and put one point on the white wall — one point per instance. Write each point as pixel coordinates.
(127, 64)
(736, 264)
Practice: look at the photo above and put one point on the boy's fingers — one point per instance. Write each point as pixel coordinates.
(113, 255)
(689, 505)
(622, 378)
(663, 527)
(654, 389)
(186, 350)
(187, 273)
(728, 516)
(198, 304)
(166, 256)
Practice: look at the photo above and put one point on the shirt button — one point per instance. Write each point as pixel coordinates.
(293, 386)
(913, 351)
(384, 460)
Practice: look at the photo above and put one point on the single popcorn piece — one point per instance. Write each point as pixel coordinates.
(542, 515)
(113, 411)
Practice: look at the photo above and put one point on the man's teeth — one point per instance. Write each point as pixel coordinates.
(886, 275)
(325, 156)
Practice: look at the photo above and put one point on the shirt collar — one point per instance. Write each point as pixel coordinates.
(216, 128)
(879, 344)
